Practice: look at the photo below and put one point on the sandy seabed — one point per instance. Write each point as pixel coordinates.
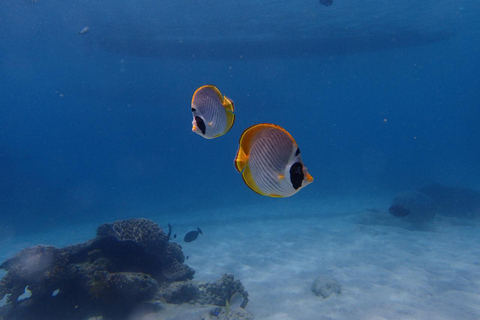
(386, 270)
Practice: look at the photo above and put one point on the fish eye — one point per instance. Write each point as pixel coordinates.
(200, 124)
(296, 174)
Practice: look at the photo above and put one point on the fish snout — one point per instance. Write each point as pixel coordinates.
(309, 178)
(194, 126)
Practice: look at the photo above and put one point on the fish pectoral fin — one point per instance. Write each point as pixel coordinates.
(281, 176)
(210, 123)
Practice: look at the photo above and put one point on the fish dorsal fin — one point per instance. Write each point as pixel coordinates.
(200, 94)
(250, 133)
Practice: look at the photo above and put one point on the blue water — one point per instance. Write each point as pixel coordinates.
(381, 97)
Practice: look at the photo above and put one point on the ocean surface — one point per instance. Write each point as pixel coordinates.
(381, 97)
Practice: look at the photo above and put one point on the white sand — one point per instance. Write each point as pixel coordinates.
(386, 272)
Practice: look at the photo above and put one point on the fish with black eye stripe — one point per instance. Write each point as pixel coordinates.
(268, 157)
(270, 162)
(212, 112)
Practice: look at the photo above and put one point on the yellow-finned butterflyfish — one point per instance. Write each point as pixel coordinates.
(212, 112)
(270, 162)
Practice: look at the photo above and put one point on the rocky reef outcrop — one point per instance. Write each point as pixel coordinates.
(130, 263)
(454, 201)
(414, 207)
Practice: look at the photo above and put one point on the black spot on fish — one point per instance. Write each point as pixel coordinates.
(200, 124)
(399, 211)
(192, 235)
(193, 109)
(326, 2)
(296, 175)
(297, 152)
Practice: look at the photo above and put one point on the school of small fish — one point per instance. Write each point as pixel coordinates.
(267, 157)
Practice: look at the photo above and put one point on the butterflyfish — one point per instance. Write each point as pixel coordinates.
(212, 112)
(270, 162)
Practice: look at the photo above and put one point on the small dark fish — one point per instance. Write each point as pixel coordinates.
(175, 236)
(399, 211)
(326, 2)
(187, 257)
(192, 235)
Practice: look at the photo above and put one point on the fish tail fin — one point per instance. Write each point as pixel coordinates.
(228, 104)
(229, 108)
(241, 160)
(230, 121)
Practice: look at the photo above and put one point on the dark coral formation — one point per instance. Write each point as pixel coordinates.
(215, 293)
(144, 232)
(414, 207)
(453, 201)
(129, 263)
(154, 241)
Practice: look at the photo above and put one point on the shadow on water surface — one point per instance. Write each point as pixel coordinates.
(260, 30)
(344, 43)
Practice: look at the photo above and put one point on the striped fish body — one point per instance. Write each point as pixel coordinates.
(212, 112)
(270, 162)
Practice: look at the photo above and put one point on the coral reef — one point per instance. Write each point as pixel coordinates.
(144, 232)
(216, 293)
(129, 264)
